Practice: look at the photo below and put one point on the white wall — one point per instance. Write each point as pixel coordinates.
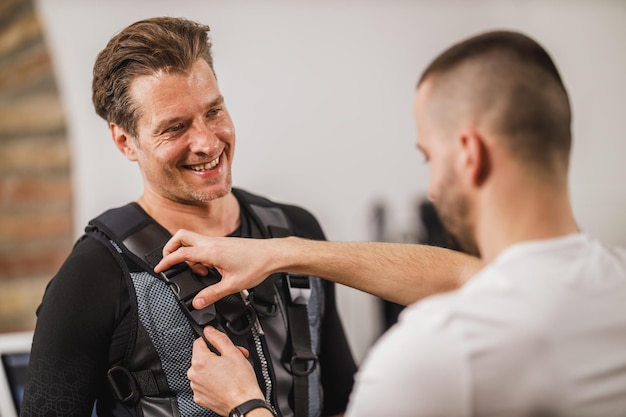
(321, 93)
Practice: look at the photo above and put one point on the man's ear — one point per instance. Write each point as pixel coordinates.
(476, 156)
(124, 142)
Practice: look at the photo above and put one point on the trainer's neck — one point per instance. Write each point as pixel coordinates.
(516, 215)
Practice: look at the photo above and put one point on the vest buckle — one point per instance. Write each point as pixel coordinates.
(123, 385)
(299, 288)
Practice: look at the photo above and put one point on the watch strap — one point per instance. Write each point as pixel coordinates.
(242, 409)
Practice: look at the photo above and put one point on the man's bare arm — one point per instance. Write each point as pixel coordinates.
(402, 273)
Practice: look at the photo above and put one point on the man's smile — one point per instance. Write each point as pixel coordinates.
(206, 166)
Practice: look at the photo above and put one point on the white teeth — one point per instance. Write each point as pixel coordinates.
(207, 166)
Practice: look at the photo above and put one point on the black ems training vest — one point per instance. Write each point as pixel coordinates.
(279, 322)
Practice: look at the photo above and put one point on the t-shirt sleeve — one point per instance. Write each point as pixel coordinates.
(414, 369)
(337, 363)
(72, 339)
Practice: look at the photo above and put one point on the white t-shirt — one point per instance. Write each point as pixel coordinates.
(541, 331)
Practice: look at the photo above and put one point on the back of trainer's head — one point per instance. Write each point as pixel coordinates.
(507, 84)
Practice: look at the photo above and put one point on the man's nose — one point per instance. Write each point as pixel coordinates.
(203, 139)
(430, 195)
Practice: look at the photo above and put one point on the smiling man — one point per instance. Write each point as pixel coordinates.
(109, 330)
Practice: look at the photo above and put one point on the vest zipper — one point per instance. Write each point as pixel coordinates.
(257, 332)
(256, 335)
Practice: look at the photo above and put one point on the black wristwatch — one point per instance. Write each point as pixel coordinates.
(242, 409)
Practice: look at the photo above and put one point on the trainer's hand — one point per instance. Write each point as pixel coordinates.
(221, 382)
(243, 263)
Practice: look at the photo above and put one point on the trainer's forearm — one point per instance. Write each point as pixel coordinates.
(402, 273)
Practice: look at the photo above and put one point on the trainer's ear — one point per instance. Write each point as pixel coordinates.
(476, 157)
(124, 141)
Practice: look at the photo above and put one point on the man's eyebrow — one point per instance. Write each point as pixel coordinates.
(217, 100)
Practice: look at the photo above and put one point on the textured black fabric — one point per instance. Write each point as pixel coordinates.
(84, 323)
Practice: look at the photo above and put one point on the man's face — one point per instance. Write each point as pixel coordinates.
(439, 147)
(185, 137)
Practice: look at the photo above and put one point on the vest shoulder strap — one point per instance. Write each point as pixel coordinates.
(273, 221)
(142, 239)
(127, 385)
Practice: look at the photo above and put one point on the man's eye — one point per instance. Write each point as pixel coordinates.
(174, 128)
(214, 112)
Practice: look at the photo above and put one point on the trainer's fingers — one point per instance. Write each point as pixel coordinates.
(175, 242)
(166, 262)
(199, 269)
(212, 293)
(180, 255)
(169, 261)
(180, 239)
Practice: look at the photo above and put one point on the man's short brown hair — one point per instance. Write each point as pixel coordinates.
(144, 48)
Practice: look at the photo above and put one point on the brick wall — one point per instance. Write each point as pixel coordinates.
(35, 189)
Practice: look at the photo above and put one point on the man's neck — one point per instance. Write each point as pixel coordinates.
(517, 214)
(218, 217)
